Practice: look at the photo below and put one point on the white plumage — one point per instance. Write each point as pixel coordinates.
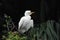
(25, 22)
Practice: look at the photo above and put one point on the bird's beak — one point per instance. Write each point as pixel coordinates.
(32, 13)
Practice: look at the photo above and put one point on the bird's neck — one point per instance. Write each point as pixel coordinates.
(27, 15)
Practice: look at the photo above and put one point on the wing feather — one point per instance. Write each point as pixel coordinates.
(25, 25)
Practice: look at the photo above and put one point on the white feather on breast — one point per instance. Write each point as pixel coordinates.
(25, 24)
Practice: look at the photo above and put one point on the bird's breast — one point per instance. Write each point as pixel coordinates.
(27, 17)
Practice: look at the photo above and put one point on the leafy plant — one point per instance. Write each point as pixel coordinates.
(14, 36)
(44, 31)
(47, 31)
(8, 23)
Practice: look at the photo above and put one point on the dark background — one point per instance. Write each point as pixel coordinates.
(16, 8)
(44, 10)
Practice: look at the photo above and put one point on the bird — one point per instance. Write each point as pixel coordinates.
(25, 22)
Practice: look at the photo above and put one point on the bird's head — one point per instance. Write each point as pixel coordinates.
(28, 12)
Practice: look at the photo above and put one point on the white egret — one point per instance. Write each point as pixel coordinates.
(25, 22)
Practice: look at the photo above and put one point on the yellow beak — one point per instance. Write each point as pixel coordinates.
(32, 13)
